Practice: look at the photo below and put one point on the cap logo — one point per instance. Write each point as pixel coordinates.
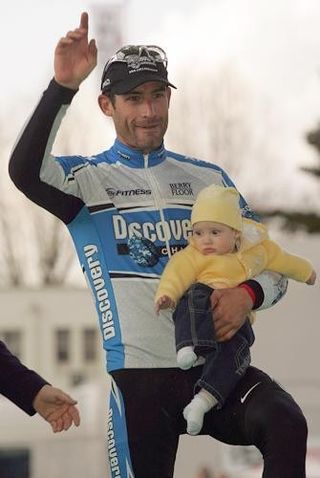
(107, 82)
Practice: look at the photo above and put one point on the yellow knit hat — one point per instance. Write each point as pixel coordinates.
(218, 204)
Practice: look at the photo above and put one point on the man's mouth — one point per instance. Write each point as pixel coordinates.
(149, 126)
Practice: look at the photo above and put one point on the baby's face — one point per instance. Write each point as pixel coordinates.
(214, 238)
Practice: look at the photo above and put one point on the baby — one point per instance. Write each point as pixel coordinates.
(224, 251)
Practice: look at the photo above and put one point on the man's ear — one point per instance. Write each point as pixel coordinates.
(106, 105)
(168, 95)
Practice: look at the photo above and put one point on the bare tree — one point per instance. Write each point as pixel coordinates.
(35, 246)
(213, 118)
(228, 120)
(11, 266)
(53, 246)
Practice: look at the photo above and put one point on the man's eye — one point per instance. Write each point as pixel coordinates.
(133, 98)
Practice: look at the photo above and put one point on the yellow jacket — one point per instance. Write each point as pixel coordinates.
(256, 254)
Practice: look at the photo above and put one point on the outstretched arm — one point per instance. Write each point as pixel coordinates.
(32, 393)
(290, 265)
(75, 57)
(57, 408)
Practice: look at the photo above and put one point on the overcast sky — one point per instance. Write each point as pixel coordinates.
(273, 44)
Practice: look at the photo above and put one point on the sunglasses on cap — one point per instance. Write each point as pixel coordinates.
(134, 57)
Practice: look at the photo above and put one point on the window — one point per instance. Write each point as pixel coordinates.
(89, 344)
(63, 345)
(14, 463)
(13, 340)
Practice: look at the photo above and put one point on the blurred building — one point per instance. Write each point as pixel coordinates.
(54, 331)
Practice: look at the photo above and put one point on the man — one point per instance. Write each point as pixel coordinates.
(127, 209)
(30, 392)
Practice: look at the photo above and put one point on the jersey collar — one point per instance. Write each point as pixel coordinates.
(134, 157)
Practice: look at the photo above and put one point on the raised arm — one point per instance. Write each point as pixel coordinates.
(32, 168)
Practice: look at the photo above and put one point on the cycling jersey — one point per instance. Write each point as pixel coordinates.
(127, 212)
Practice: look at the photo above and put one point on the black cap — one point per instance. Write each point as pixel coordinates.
(132, 66)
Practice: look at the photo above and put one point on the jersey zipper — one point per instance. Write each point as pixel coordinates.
(158, 200)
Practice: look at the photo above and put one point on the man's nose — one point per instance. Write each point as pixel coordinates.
(148, 108)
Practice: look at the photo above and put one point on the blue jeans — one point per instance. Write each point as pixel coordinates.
(225, 362)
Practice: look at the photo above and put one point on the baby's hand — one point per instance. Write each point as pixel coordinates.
(312, 278)
(164, 302)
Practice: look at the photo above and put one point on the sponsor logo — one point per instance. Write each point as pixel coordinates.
(181, 189)
(245, 396)
(98, 286)
(112, 450)
(112, 193)
(158, 231)
(173, 249)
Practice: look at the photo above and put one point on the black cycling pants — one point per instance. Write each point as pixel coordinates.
(145, 421)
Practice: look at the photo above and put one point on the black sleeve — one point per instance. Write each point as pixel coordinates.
(28, 154)
(18, 383)
(257, 293)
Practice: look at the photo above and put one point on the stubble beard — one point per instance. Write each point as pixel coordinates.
(149, 142)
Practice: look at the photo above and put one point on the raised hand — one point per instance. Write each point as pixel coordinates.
(57, 408)
(74, 56)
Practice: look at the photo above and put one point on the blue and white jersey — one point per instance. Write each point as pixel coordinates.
(127, 213)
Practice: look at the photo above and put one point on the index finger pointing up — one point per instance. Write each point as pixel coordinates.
(84, 21)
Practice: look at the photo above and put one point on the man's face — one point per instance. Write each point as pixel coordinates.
(141, 116)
